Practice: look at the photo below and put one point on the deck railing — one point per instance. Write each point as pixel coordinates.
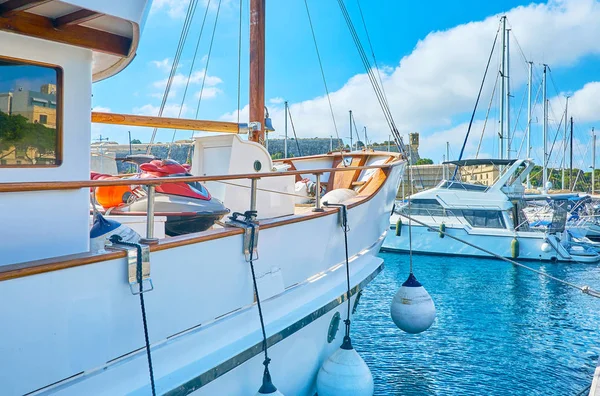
(152, 183)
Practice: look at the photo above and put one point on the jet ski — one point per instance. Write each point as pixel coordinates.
(188, 206)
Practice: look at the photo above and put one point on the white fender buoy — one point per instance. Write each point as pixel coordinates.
(339, 195)
(345, 373)
(412, 309)
(103, 229)
(546, 247)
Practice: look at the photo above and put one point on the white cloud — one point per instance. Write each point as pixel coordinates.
(277, 100)
(170, 110)
(163, 65)
(159, 95)
(584, 104)
(174, 8)
(208, 93)
(179, 80)
(178, 8)
(437, 83)
(101, 109)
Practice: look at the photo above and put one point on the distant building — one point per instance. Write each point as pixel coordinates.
(37, 107)
(480, 174)
(413, 147)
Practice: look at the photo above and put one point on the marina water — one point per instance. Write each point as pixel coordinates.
(500, 330)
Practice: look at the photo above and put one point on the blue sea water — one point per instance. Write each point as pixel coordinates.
(500, 329)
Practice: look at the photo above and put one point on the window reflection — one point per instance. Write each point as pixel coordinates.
(29, 114)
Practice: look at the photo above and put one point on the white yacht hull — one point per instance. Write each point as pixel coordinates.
(80, 331)
(497, 241)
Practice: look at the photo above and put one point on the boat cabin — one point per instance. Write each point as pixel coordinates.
(476, 205)
(51, 53)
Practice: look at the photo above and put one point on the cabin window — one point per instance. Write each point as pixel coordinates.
(30, 114)
(484, 218)
(426, 207)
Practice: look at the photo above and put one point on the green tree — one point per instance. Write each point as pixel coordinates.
(136, 141)
(277, 155)
(16, 131)
(424, 161)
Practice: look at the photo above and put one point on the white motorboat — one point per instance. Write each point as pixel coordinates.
(73, 323)
(487, 217)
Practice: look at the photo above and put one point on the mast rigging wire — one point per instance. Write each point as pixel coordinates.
(584, 289)
(462, 150)
(372, 52)
(487, 114)
(182, 39)
(294, 131)
(212, 39)
(376, 88)
(321, 67)
(187, 83)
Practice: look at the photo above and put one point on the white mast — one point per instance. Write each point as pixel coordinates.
(502, 82)
(508, 133)
(285, 151)
(562, 184)
(529, 79)
(593, 160)
(545, 130)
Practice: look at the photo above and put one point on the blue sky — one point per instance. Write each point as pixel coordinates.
(432, 65)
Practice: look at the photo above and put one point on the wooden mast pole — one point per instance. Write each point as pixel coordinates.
(257, 69)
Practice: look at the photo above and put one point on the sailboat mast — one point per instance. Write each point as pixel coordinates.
(502, 89)
(508, 137)
(257, 69)
(571, 156)
(593, 161)
(545, 129)
(565, 145)
(351, 146)
(529, 80)
(285, 148)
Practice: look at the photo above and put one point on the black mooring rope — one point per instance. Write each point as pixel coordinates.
(267, 385)
(347, 343)
(138, 275)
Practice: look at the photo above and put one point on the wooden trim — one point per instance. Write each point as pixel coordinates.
(20, 5)
(59, 111)
(75, 185)
(164, 122)
(337, 161)
(21, 270)
(29, 268)
(347, 155)
(190, 239)
(42, 27)
(77, 17)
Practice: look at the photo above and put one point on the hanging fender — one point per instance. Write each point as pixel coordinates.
(514, 248)
(442, 230)
(399, 227)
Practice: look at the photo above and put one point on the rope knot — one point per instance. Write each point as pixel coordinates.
(266, 362)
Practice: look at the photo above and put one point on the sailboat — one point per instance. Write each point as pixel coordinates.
(178, 315)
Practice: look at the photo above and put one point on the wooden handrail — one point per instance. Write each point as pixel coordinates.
(74, 185)
(165, 122)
